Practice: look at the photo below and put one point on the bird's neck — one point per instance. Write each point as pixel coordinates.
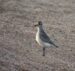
(39, 29)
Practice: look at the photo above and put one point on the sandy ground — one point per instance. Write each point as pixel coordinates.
(18, 49)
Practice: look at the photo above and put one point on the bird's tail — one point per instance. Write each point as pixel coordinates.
(51, 42)
(55, 45)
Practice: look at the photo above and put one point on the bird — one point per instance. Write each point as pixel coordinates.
(42, 38)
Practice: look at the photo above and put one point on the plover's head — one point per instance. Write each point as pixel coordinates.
(39, 24)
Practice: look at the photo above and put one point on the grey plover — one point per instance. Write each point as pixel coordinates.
(42, 38)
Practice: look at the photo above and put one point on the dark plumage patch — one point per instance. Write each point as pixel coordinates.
(44, 37)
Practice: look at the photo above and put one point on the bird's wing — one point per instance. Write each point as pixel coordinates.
(44, 37)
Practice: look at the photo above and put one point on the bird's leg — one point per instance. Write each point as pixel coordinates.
(43, 51)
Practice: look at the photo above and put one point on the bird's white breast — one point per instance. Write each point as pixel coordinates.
(39, 41)
(38, 38)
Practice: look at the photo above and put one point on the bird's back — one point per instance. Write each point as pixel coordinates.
(44, 37)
